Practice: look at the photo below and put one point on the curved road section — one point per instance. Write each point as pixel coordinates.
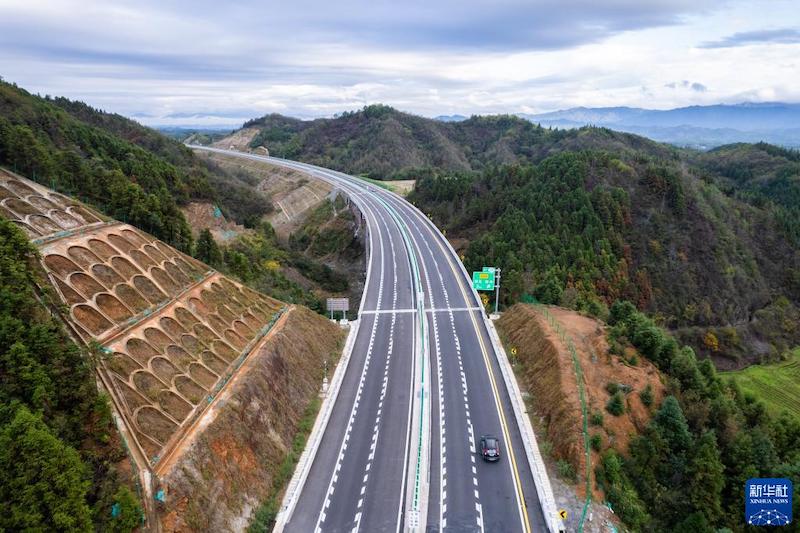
(401, 448)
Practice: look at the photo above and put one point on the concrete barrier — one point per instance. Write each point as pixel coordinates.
(298, 480)
(538, 469)
(534, 456)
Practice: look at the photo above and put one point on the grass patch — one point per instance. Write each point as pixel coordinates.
(777, 385)
(377, 183)
(264, 520)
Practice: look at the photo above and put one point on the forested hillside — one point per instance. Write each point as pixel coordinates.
(706, 242)
(129, 172)
(59, 450)
(710, 254)
(137, 175)
(686, 469)
(384, 143)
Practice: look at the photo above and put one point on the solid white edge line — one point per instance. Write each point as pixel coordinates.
(366, 360)
(541, 480)
(536, 465)
(297, 483)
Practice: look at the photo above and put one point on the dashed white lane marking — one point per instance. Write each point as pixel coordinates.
(354, 411)
(435, 310)
(464, 389)
(384, 385)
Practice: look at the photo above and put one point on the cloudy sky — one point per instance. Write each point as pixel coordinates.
(218, 63)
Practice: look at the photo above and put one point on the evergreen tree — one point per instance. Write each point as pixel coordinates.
(43, 483)
(672, 425)
(706, 478)
(207, 250)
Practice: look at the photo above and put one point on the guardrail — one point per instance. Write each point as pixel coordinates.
(418, 480)
(533, 455)
(538, 470)
(298, 480)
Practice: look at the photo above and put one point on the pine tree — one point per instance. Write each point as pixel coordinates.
(43, 483)
(207, 250)
(706, 478)
(672, 425)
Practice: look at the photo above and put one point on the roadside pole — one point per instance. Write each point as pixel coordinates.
(496, 289)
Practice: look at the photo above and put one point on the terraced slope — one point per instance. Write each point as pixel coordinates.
(170, 329)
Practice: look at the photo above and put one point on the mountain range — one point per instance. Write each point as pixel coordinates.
(696, 126)
(704, 240)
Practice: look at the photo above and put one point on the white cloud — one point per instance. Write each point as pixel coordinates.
(228, 61)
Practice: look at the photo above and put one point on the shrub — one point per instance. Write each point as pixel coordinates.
(596, 442)
(612, 387)
(621, 311)
(566, 470)
(130, 512)
(616, 405)
(615, 346)
(647, 396)
(596, 419)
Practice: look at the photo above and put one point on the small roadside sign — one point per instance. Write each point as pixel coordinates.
(563, 514)
(513, 350)
(338, 304)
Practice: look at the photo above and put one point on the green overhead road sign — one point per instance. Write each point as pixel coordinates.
(484, 280)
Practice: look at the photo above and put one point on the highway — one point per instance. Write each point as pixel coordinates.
(402, 441)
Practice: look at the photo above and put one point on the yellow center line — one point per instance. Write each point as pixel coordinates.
(498, 403)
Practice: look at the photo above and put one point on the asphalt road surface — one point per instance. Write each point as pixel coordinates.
(359, 478)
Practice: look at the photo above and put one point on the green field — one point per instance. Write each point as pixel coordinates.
(777, 385)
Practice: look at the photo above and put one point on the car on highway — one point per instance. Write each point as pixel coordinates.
(490, 448)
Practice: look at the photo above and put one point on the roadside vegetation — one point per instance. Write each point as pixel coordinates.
(690, 257)
(136, 175)
(59, 449)
(256, 259)
(62, 464)
(129, 172)
(705, 242)
(584, 229)
(686, 470)
(267, 512)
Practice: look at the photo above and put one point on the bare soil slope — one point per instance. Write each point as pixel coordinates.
(202, 215)
(229, 467)
(545, 369)
(238, 140)
(292, 193)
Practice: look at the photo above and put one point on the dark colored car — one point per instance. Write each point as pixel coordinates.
(490, 448)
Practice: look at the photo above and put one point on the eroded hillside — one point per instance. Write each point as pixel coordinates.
(541, 336)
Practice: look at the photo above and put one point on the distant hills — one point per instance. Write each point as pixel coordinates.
(384, 143)
(707, 241)
(696, 126)
(700, 127)
(451, 118)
